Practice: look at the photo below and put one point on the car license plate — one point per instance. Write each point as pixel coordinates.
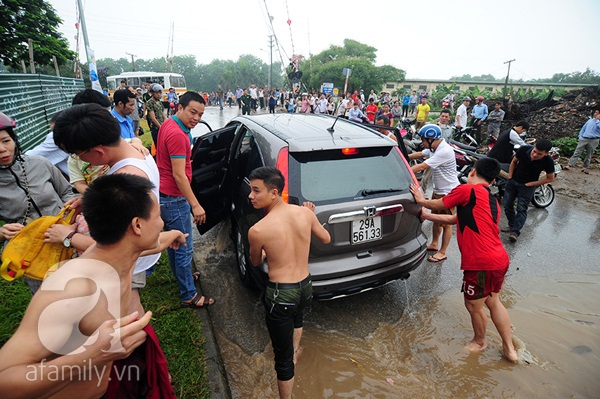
(365, 230)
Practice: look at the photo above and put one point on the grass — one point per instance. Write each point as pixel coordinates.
(179, 330)
(15, 298)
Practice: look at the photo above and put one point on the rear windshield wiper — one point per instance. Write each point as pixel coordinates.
(367, 192)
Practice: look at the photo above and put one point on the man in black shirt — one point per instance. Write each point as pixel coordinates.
(524, 177)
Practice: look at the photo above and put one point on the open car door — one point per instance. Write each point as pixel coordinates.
(211, 180)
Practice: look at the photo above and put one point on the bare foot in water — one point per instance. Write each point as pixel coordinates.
(475, 347)
(510, 353)
(297, 353)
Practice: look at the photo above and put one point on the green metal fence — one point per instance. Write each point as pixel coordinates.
(32, 99)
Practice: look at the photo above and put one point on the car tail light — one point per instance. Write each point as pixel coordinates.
(415, 180)
(349, 151)
(390, 210)
(282, 165)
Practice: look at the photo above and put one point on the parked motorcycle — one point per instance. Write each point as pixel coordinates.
(464, 136)
(544, 194)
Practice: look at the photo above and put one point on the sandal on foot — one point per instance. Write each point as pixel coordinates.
(430, 249)
(433, 259)
(193, 303)
(566, 167)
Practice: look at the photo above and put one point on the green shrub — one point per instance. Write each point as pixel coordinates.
(566, 145)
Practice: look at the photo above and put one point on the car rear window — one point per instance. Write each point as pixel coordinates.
(327, 176)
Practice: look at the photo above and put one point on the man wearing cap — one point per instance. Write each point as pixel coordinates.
(155, 110)
(461, 113)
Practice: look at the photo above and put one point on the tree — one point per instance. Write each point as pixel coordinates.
(480, 78)
(35, 20)
(588, 76)
(328, 65)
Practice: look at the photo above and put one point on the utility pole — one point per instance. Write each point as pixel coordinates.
(271, 60)
(89, 53)
(132, 61)
(508, 73)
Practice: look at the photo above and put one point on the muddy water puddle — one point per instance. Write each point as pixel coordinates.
(556, 324)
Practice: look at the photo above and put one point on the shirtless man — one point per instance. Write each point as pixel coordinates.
(484, 260)
(55, 353)
(283, 236)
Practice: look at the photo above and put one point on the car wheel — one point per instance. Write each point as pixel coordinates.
(242, 259)
(543, 196)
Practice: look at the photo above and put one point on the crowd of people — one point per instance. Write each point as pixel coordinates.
(134, 205)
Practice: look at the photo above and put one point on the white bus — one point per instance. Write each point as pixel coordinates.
(136, 79)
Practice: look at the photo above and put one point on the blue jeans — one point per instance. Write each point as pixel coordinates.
(523, 194)
(220, 102)
(176, 213)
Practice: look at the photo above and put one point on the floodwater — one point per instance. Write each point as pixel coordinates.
(423, 355)
(406, 340)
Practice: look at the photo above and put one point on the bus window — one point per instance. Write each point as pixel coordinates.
(135, 82)
(177, 81)
(111, 84)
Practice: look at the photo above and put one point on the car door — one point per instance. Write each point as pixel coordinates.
(211, 177)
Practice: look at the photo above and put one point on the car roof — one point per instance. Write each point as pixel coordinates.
(308, 132)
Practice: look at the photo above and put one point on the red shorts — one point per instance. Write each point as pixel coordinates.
(479, 284)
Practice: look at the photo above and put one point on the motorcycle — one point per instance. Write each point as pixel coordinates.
(407, 128)
(445, 103)
(544, 194)
(463, 136)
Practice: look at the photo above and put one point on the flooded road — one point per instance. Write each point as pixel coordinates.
(407, 339)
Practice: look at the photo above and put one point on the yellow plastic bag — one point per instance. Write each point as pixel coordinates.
(26, 254)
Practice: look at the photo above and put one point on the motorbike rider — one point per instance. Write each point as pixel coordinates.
(173, 100)
(503, 149)
(442, 162)
(450, 98)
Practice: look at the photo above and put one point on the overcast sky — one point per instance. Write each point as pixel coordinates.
(432, 39)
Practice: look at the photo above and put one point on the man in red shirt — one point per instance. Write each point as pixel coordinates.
(483, 258)
(173, 158)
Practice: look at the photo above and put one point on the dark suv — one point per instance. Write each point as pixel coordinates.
(357, 178)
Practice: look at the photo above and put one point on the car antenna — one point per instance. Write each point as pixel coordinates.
(330, 129)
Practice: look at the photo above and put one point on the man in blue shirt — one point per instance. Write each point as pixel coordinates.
(589, 137)
(479, 113)
(124, 105)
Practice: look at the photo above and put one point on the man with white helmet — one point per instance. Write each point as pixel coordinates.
(442, 162)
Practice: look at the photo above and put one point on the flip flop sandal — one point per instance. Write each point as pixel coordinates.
(208, 301)
(433, 259)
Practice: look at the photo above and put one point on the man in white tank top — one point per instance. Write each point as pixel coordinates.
(90, 132)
